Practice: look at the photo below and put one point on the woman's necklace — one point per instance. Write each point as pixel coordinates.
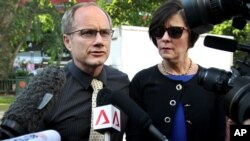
(167, 72)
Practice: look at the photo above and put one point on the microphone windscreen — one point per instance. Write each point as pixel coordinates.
(47, 135)
(132, 109)
(25, 113)
(220, 43)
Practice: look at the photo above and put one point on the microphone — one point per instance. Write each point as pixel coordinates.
(136, 113)
(25, 113)
(106, 117)
(224, 44)
(47, 135)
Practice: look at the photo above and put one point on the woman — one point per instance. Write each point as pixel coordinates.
(179, 107)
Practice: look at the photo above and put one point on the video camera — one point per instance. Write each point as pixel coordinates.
(203, 14)
(235, 84)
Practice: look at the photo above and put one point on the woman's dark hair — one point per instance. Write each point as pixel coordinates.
(163, 13)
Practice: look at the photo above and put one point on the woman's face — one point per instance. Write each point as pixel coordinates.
(173, 45)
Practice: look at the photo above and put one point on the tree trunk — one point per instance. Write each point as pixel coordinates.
(7, 12)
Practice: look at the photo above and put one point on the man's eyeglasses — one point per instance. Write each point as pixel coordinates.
(174, 32)
(91, 33)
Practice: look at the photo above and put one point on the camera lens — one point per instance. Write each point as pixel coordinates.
(200, 13)
(214, 79)
(237, 104)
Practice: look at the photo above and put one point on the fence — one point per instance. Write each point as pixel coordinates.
(13, 86)
(8, 86)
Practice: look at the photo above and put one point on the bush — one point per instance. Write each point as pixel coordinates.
(22, 73)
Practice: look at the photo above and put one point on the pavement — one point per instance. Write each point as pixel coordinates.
(1, 114)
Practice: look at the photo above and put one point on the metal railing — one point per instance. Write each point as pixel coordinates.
(7, 86)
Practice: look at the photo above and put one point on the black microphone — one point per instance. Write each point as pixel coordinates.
(136, 113)
(103, 97)
(224, 44)
(25, 113)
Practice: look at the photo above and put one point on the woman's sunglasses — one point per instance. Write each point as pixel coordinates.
(174, 32)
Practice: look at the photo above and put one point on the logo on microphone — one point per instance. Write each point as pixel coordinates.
(102, 115)
(106, 117)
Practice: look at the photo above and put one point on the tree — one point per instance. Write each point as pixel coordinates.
(131, 12)
(242, 36)
(37, 19)
(7, 14)
(40, 21)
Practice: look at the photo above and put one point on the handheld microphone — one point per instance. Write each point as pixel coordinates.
(47, 135)
(224, 44)
(136, 113)
(25, 113)
(106, 117)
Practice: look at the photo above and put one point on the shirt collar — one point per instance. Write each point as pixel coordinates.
(84, 78)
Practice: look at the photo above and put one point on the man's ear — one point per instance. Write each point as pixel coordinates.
(67, 41)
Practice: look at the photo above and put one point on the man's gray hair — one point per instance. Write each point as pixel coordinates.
(68, 17)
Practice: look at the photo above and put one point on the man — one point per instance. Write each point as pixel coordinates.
(87, 33)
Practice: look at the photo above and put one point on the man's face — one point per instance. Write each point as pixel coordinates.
(88, 50)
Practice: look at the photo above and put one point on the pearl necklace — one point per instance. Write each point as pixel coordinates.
(167, 72)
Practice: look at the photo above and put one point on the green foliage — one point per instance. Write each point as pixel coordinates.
(39, 21)
(36, 20)
(45, 29)
(131, 12)
(22, 72)
(242, 36)
(11, 75)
